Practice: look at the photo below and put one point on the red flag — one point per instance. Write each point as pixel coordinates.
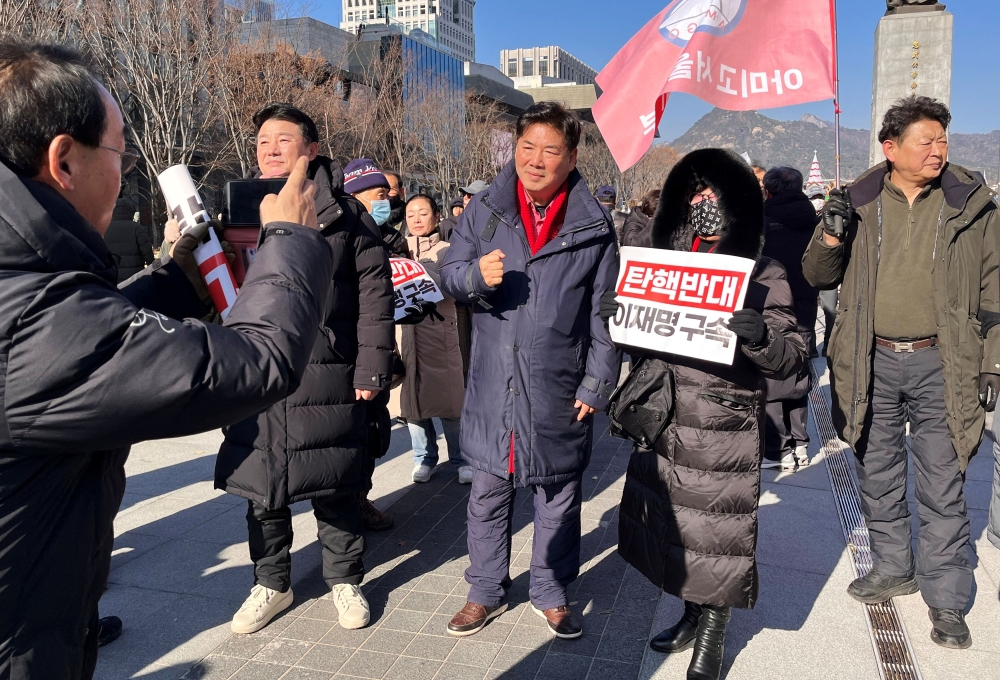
(736, 54)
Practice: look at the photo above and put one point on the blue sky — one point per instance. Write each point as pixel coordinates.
(594, 30)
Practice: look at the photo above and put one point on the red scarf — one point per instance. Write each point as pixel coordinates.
(554, 216)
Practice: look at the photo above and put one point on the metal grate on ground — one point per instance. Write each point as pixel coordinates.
(893, 651)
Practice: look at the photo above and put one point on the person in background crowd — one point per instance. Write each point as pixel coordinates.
(397, 201)
(759, 170)
(635, 231)
(128, 240)
(311, 445)
(534, 252)
(365, 182)
(455, 208)
(817, 196)
(91, 368)
(918, 345)
(608, 197)
(434, 383)
(790, 220)
(469, 192)
(688, 519)
(171, 232)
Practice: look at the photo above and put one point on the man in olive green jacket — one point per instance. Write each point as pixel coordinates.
(920, 348)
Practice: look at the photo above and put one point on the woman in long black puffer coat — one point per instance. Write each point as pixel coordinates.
(689, 510)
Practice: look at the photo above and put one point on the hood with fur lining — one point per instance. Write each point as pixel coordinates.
(740, 201)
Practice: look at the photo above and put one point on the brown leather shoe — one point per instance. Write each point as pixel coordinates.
(472, 618)
(374, 519)
(562, 621)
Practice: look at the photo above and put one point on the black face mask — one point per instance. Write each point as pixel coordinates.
(395, 202)
(706, 218)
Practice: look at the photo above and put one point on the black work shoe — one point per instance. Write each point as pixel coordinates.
(374, 519)
(950, 629)
(874, 588)
(680, 636)
(111, 630)
(706, 662)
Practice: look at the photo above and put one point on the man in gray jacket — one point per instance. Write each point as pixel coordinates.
(78, 356)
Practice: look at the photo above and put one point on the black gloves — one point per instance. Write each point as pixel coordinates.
(989, 387)
(749, 325)
(418, 311)
(182, 252)
(837, 213)
(609, 305)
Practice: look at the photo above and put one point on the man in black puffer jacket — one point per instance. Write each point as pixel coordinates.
(88, 369)
(129, 240)
(791, 219)
(312, 444)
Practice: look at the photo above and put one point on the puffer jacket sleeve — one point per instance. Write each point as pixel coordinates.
(783, 352)
(989, 294)
(164, 287)
(373, 370)
(460, 274)
(88, 370)
(603, 358)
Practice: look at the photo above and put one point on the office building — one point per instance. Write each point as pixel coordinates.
(547, 62)
(449, 22)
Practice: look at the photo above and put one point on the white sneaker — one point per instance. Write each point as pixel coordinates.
(465, 474)
(786, 463)
(258, 610)
(352, 605)
(423, 473)
(802, 455)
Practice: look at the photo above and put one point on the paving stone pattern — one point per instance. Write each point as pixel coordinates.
(415, 584)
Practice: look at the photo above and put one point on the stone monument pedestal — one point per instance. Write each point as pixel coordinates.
(912, 56)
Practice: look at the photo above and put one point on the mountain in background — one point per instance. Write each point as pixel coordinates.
(774, 142)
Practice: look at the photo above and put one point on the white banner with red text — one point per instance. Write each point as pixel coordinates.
(678, 302)
(412, 284)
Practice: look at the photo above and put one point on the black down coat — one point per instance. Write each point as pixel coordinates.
(128, 240)
(312, 443)
(87, 370)
(689, 510)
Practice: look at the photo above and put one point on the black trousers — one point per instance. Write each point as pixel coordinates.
(909, 388)
(341, 532)
(787, 423)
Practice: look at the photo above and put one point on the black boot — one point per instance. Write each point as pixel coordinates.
(681, 635)
(706, 664)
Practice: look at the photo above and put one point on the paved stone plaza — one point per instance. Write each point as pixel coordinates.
(181, 569)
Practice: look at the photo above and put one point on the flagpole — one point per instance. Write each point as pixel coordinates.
(836, 92)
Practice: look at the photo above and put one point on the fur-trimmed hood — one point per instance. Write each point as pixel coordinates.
(740, 200)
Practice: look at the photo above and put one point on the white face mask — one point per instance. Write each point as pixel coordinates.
(818, 203)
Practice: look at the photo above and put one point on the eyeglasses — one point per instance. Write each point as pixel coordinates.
(129, 158)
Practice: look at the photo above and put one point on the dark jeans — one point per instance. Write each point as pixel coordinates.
(555, 548)
(787, 423)
(341, 533)
(909, 387)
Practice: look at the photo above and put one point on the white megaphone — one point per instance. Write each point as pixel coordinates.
(185, 205)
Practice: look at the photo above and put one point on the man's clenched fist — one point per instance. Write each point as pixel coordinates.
(491, 267)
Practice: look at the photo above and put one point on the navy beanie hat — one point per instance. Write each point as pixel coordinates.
(361, 174)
